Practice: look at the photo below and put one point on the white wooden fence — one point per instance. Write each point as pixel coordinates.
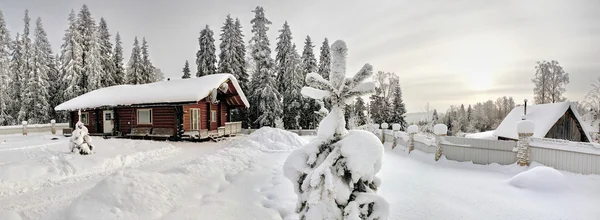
(18, 129)
(574, 157)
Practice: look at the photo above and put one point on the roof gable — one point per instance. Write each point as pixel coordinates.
(174, 91)
(544, 116)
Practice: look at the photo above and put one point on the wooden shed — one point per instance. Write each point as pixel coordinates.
(554, 120)
(193, 104)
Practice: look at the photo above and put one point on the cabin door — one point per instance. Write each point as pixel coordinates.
(195, 119)
(108, 121)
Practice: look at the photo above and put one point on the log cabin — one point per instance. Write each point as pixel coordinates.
(554, 120)
(182, 104)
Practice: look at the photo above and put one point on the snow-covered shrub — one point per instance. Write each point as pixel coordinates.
(81, 142)
(334, 175)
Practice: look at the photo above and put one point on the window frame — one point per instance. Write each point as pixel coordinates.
(198, 121)
(137, 116)
(213, 116)
(87, 117)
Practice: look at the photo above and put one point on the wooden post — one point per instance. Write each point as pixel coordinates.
(439, 130)
(525, 129)
(384, 126)
(24, 123)
(53, 126)
(395, 128)
(411, 130)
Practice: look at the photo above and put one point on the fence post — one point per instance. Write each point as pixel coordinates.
(395, 128)
(24, 123)
(525, 129)
(384, 126)
(439, 130)
(411, 130)
(53, 126)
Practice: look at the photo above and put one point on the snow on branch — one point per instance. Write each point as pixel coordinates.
(314, 93)
(315, 80)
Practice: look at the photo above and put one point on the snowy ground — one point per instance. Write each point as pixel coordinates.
(242, 179)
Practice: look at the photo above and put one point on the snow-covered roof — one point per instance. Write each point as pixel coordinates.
(173, 91)
(544, 116)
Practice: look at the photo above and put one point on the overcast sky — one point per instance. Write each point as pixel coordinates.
(445, 52)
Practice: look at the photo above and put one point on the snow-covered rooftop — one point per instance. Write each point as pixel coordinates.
(178, 90)
(544, 116)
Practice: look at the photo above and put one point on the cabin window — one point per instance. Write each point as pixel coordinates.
(144, 116)
(213, 116)
(85, 118)
(195, 119)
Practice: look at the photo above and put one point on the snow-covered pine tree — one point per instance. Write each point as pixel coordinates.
(359, 111)
(35, 101)
(292, 98)
(267, 108)
(186, 71)
(71, 61)
(284, 59)
(158, 75)
(335, 174)
(398, 106)
(205, 58)
(87, 27)
(26, 54)
(16, 78)
(93, 64)
(435, 117)
(227, 47)
(325, 60)
(135, 66)
(108, 66)
(55, 91)
(239, 65)
(5, 116)
(148, 73)
(309, 65)
(117, 59)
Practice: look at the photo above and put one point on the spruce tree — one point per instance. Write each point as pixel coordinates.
(186, 70)
(35, 101)
(71, 61)
(284, 59)
(267, 108)
(16, 78)
(359, 111)
(239, 67)
(135, 66)
(5, 117)
(106, 56)
(435, 117)
(227, 47)
(148, 74)
(398, 106)
(325, 60)
(25, 69)
(87, 27)
(292, 98)
(93, 64)
(205, 58)
(310, 106)
(55, 91)
(117, 59)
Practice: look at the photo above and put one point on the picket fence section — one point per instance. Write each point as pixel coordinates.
(568, 158)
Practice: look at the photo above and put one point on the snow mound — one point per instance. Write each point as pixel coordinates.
(525, 127)
(274, 139)
(540, 178)
(130, 195)
(363, 152)
(10, 215)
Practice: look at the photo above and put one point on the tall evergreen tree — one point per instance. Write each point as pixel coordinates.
(267, 108)
(106, 56)
(292, 98)
(325, 60)
(239, 67)
(227, 47)
(71, 61)
(55, 91)
(93, 64)
(205, 58)
(359, 111)
(186, 70)
(24, 69)
(35, 103)
(117, 59)
(16, 78)
(398, 107)
(284, 58)
(135, 66)
(148, 74)
(310, 106)
(87, 27)
(5, 116)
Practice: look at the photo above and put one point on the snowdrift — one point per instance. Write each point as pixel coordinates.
(150, 195)
(540, 178)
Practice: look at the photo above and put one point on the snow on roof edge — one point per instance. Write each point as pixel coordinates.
(186, 90)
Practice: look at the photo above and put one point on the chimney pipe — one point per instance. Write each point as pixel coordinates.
(525, 108)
